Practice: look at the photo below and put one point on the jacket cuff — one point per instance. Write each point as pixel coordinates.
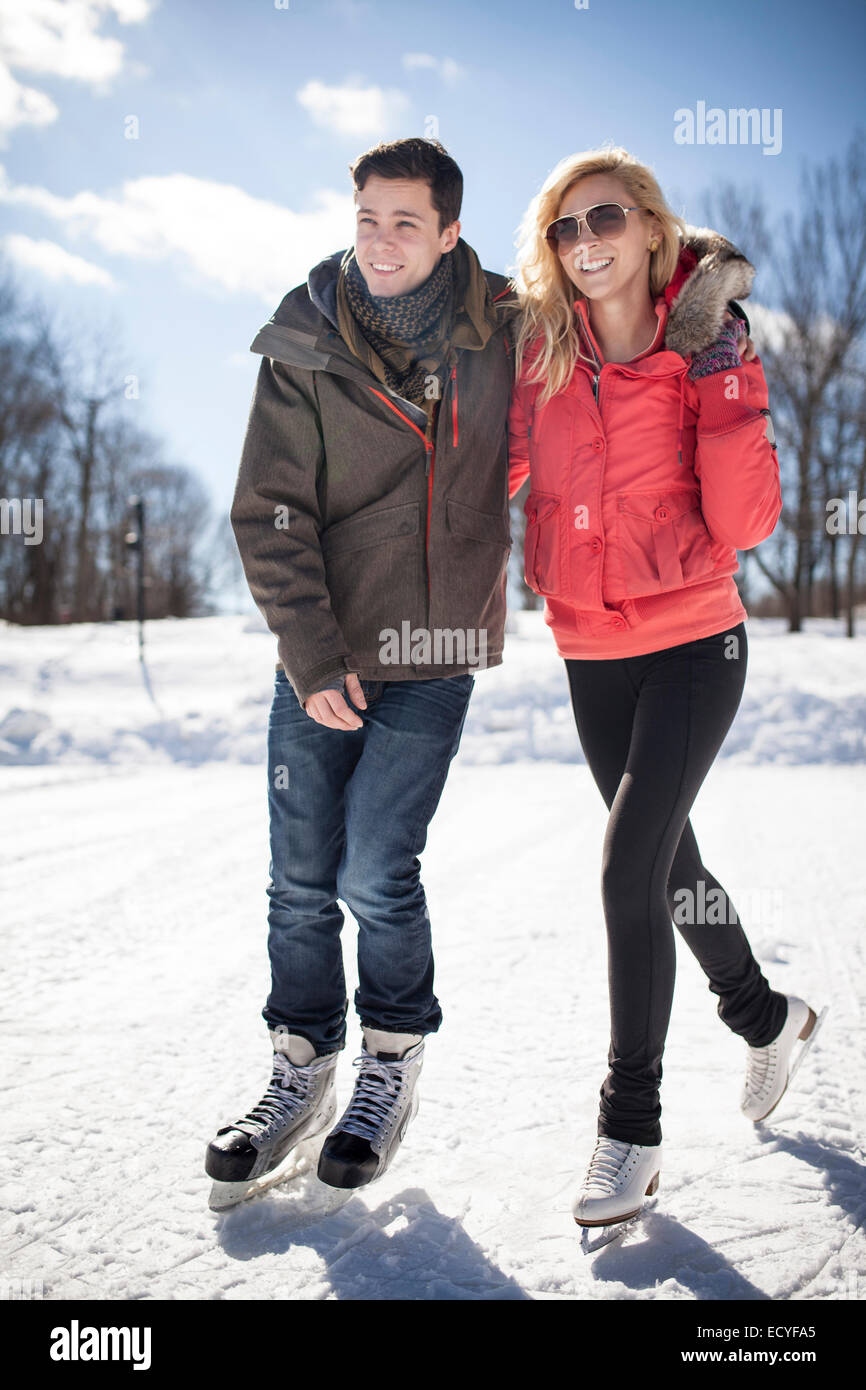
(723, 401)
(315, 678)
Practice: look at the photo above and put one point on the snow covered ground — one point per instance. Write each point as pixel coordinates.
(134, 848)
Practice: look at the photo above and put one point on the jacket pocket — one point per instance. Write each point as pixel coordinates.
(477, 526)
(542, 560)
(374, 569)
(370, 528)
(469, 570)
(663, 541)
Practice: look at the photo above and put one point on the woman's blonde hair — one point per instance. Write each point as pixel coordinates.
(546, 294)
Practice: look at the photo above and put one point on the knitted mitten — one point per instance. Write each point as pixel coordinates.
(722, 355)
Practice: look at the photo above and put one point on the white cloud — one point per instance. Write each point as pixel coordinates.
(54, 262)
(447, 69)
(216, 231)
(20, 105)
(353, 109)
(57, 38)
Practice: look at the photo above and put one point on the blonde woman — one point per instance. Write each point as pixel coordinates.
(649, 447)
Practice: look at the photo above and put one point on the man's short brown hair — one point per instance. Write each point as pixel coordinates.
(416, 159)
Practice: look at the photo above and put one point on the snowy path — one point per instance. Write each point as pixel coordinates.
(136, 969)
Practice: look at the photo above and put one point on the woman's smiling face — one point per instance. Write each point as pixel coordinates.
(602, 269)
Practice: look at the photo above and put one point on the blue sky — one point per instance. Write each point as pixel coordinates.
(247, 113)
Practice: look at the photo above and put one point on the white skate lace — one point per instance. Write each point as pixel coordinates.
(607, 1162)
(377, 1090)
(285, 1097)
(761, 1065)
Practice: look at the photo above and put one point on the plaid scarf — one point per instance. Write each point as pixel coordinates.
(403, 338)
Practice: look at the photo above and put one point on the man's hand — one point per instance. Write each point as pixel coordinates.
(329, 708)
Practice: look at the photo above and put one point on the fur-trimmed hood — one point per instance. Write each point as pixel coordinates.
(711, 271)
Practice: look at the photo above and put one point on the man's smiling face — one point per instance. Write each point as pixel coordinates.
(397, 239)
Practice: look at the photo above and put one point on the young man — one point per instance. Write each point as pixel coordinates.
(371, 514)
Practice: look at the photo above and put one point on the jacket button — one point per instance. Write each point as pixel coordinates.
(661, 513)
(595, 544)
(618, 621)
(533, 517)
(598, 444)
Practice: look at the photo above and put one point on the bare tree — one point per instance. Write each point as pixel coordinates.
(813, 277)
(69, 440)
(178, 531)
(29, 462)
(226, 570)
(90, 386)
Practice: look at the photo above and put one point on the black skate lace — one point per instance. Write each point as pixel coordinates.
(377, 1090)
(284, 1098)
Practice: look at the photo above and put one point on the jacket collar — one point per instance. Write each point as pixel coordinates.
(303, 331)
(475, 319)
(594, 357)
(322, 286)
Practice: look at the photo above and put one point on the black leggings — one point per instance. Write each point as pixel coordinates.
(651, 727)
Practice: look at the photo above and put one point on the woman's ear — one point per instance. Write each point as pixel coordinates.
(655, 233)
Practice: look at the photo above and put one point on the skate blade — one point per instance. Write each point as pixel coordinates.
(306, 1201)
(296, 1163)
(807, 1043)
(593, 1238)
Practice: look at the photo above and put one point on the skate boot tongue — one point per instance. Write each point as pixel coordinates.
(298, 1050)
(389, 1047)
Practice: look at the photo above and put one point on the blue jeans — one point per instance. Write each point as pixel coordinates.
(349, 812)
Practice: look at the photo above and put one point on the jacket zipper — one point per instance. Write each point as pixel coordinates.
(429, 461)
(429, 466)
(454, 435)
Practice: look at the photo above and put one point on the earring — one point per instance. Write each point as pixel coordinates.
(654, 246)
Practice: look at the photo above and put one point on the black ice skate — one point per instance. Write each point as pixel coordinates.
(360, 1148)
(280, 1135)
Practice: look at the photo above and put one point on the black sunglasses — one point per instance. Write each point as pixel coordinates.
(603, 220)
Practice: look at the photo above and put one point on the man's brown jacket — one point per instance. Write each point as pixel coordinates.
(354, 521)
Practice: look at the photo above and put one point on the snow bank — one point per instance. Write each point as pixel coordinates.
(73, 695)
